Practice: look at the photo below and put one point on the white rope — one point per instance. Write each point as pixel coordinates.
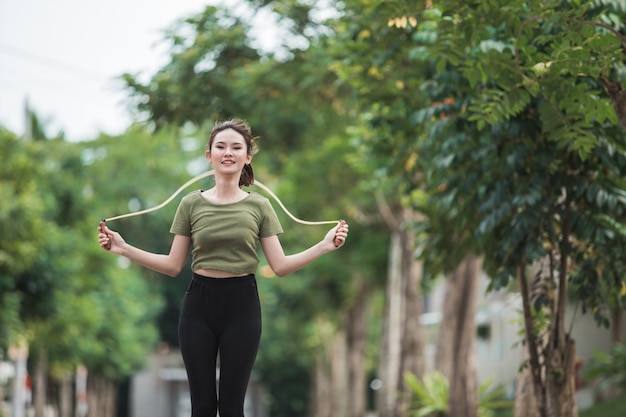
(208, 174)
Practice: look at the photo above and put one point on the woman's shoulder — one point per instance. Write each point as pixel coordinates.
(257, 198)
(191, 196)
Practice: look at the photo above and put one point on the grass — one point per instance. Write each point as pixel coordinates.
(616, 408)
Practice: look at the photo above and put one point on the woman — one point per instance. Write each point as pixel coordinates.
(221, 312)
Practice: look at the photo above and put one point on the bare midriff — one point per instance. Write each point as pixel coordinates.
(217, 273)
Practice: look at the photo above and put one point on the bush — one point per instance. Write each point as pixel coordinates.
(609, 367)
(429, 397)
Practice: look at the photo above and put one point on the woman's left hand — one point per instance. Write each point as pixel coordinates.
(337, 235)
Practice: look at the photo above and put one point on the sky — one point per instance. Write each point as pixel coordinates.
(65, 58)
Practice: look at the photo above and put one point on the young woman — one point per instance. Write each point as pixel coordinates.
(221, 312)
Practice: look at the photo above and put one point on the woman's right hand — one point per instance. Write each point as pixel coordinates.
(109, 240)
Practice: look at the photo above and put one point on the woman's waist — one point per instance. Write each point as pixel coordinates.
(219, 273)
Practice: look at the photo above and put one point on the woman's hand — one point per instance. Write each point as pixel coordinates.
(109, 240)
(170, 264)
(337, 235)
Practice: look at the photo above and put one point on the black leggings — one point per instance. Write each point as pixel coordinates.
(219, 315)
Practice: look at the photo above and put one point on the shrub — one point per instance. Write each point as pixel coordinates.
(609, 367)
(429, 397)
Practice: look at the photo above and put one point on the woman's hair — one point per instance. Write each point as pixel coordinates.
(241, 127)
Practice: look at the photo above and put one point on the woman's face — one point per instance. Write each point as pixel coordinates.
(228, 151)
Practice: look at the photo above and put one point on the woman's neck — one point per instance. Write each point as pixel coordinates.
(223, 193)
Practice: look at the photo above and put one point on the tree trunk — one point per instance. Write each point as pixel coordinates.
(330, 389)
(40, 390)
(456, 345)
(402, 346)
(93, 390)
(320, 389)
(551, 355)
(412, 345)
(560, 352)
(560, 380)
(65, 396)
(110, 398)
(339, 385)
(389, 363)
(357, 337)
(338, 375)
(560, 397)
(525, 402)
(533, 342)
(101, 397)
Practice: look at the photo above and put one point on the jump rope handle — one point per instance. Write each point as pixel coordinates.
(102, 225)
(337, 241)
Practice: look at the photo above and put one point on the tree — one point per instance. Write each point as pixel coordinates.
(456, 351)
(96, 321)
(337, 294)
(21, 216)
(371, 57)
(528, 159)
(179, 92)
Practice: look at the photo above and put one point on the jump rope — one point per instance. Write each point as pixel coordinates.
(208, 174)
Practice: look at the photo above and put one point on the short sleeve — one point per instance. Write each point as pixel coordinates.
(181, 225)
(270, 225)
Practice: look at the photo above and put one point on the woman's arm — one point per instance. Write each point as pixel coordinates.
(170, 264)
(283, 264)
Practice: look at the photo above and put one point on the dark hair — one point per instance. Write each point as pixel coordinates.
(241, 127)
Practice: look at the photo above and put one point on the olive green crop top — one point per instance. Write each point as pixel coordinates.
(225, 236)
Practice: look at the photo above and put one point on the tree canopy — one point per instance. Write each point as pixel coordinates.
(499, 124)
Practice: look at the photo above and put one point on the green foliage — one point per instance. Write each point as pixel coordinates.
(561, 56)
(215, 73)
(21, 205)
(429, 396)
(65, 295)
(169, 158)
(616, 408)
(24, 226)
(179, 91)
(318, 296)
(610, 368)
(527, 122)
(285, 344)
(521, 155)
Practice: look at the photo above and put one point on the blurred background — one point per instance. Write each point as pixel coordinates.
(476, 149)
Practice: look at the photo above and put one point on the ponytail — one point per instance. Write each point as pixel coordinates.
(247, 176)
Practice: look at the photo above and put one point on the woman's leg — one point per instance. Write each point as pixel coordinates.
(199, 346)
(239, 343)
(238, 349)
